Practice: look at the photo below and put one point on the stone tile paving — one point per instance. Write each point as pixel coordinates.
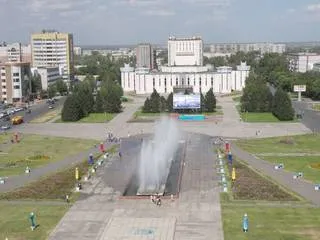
(100, 214)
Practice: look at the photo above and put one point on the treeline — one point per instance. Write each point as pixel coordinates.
(156, 103)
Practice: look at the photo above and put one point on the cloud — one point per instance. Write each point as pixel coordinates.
(315, 8)
(291, 10)
(159, 12)
(215, 3)
(54, 5)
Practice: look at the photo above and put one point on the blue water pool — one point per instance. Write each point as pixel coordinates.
(191, 117)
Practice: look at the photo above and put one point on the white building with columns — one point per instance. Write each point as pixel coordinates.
(185, 68)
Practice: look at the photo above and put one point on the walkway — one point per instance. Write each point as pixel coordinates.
(14, 182)
(300, 186)
(101, 215)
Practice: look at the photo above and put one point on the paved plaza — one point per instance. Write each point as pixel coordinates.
(230, 127)
(103, 214)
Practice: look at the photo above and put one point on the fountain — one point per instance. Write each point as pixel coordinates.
(156, 158)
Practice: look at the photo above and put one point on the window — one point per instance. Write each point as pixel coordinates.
(171, 81)
(16, 74)
(194, 82)
(211, 81)
(16, 87)
(200, 81)
(159, 82)
(176, 81)
(182, 81)
(165, 82)
(3, 74)
(3, 80)
(165, 90)
(153, 82)
(4, 87)
(188, 81)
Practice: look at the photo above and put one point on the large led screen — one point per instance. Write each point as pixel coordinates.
(191, 101)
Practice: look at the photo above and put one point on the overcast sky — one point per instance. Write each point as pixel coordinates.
(109, 22)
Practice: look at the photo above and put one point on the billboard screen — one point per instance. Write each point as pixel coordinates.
(181, 101)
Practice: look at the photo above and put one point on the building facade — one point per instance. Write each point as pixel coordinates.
(185, 51)
(303, 62)
(15, 81)
(48, 75)
(248, 47)
(15, 52)
(224, 80)
(53, 49)
(145, 56)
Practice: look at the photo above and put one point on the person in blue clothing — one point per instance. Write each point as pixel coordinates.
(245, 223)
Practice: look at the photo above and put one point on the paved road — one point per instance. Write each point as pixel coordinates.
(300, 186)
(37, 110)
(311, 118)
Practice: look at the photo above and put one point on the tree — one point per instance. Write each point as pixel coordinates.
(72, 110)
(210, 101)
(163, 104)
(85, 98)
(202, 103)
(98, 106)
(61, 87)
(52, 91)
(256, 95)
(170, 102)
(36, 84)
(155, 102)
(282, 107)
(146, 106)
(111, 98)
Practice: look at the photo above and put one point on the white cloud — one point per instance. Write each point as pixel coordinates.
(291, 10)
(55, 5)
(313, 8)
(215, 3)
(159, 12)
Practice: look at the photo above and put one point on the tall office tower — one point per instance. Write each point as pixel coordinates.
(53, 49)
(185, 51)
(145, 56)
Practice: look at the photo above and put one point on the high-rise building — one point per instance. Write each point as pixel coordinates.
(247, 47)
(15, 52)
(53, 49)
(185, 51)
(145, 56)
(303, 62)
(15, 81)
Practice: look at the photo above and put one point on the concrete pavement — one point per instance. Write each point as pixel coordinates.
(102, 215)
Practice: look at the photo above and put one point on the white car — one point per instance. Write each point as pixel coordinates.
(10, 111)
(5, 127)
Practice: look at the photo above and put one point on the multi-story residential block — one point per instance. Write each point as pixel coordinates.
(185, 51)
(247, 47)
(15, 81)
(303, 62)
(77, 51)
(145, 56)
(48, 75)
(15, 52)
(53, 49)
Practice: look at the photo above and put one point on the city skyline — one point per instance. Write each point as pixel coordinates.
(122, 22)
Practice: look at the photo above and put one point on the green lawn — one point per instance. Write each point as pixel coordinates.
(36, 150)
(93, 118)
(309, 143)
(316, 106)
(15, 224)
(299, 164)
(271, 223)
(259, 117)
(98, 118)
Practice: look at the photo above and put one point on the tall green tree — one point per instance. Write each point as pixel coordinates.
(170, 102)
(61, 87)
(85, 97)
(155, 102)
(282, 106)
(210, 101)
(36, 84)
(71, 110)
(52, 90)
(98, 105)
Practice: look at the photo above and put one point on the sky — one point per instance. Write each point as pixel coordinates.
(117, 22)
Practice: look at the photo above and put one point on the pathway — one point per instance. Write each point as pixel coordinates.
(300, 186)
(13, 182)
(101, 215)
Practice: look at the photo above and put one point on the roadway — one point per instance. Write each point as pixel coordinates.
(310, 118)
(37, 110)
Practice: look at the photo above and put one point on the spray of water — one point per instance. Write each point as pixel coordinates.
(156, 157)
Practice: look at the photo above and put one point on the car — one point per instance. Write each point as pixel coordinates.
(18, 109)
(51, 107)
(5, 127)
(10, 111)
(17, 120)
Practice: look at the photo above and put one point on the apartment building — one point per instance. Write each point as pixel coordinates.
(15, 81)
(248, 47)
(53, 49)
(303, 62)
(48, 75)
(15, 52)
(145, 56)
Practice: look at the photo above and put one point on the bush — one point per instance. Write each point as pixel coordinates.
(210, 101)
(72, 110)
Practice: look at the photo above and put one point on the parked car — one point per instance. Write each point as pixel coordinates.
(17, 120)
(10, 111)
(5, 127)
(51, 107)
